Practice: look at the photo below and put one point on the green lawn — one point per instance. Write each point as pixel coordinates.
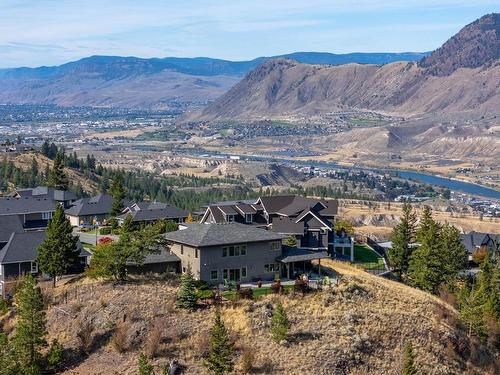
(366, 257)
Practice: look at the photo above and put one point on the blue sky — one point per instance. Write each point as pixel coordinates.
(50, 32)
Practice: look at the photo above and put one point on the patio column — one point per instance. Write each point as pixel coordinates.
(352, 249)
(287, 270)
(319, 267)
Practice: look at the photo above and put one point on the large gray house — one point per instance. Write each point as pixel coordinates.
(33, 212)
(150, 212)
(235, 252)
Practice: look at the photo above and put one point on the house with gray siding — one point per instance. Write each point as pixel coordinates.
(18, 257)
(227, 251)
(34, 212)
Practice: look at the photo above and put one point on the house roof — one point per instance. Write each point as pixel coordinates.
(287, 225)
(288, 205)
(228, 210)
(23, 247)
(473, 240)
(8, 225)
(26, 205)
(162, 257)
(200, 235)
(294, 254)
(98, 205)
(46, 192)
(168, 212)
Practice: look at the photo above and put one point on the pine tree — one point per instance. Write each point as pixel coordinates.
(57, 177)
(472, 302)
(425, 266)
(118, 193)
(408, 361)
(8, 358)
(426, 221)
(186, 297)
(279, 323)
(453, 253)
(30, 334)
(221, 350)
(144, 367)
(127, 225)
(58, 252)
(402, 237)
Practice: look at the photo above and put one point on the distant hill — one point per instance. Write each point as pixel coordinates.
(149, 83)
(462, 75)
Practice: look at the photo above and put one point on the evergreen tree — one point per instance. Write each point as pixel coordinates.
(118, 193)
(426, 221)
(408, 361)
(472, 301)
(279, 323)
(186, 296)
(221, 350)
(58, 252)
(144, 367)
(8, 358)
(30, 334)
(402, 237)
(57, 177)
(127, 225)
(454, 256)
(425, 267)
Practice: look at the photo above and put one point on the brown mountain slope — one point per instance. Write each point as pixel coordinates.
(281, 86)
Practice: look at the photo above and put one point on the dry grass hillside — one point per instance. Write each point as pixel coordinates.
(357, 327)
(24, 160)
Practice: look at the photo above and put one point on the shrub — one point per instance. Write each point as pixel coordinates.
(120, 338)
(245, 293)
(4, 306)
(55, 355)
(105, 230)
(279, 323)
(144, 367)
(300, 286)
(247, 360)
(104, 240)
(276, 287)
(85, 335)
(153, 342)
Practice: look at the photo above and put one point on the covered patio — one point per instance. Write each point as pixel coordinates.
(297, 261)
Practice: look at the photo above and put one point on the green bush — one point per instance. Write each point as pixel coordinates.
(55, 354)
(105, 230)
(4, 306)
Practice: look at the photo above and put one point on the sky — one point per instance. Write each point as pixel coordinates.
(52, 32)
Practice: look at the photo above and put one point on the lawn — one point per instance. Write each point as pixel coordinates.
(367, 257)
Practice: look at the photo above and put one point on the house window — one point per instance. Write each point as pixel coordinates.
(243, 272)
(248, 218)
(243, 249)
(214, 275)
(236, 251)
(231, 251)
(46, 215)
(224, 251)
(275, 245)
(225, 274)
(34, 267)
(196, 253)
(272, 267)
(182, 249)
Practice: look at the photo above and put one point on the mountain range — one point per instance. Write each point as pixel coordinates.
(462, 75)
(150, 83)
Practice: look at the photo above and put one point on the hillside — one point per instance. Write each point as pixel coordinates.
(148, 83)
(462, 75)
(357, 327)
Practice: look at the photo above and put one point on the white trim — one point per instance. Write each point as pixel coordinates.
(312, 213)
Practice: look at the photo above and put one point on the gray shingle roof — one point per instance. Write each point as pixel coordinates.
(288, 226)
(46, 192)
(294, 254)
(98, 205)
(200, 235)
(8, 225)
(169, 212)
(163, 257)
(25, 205)
(23, 247)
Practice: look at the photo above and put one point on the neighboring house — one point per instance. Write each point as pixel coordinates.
(149, 212)
(66, 198)
(33, 212)
(233, 252)
(311, 221)
(477, 240)
(18, 257)
(88, 210)
(8, 225)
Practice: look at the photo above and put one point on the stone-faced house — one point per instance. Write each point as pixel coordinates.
(18, 257)
(227, 251)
